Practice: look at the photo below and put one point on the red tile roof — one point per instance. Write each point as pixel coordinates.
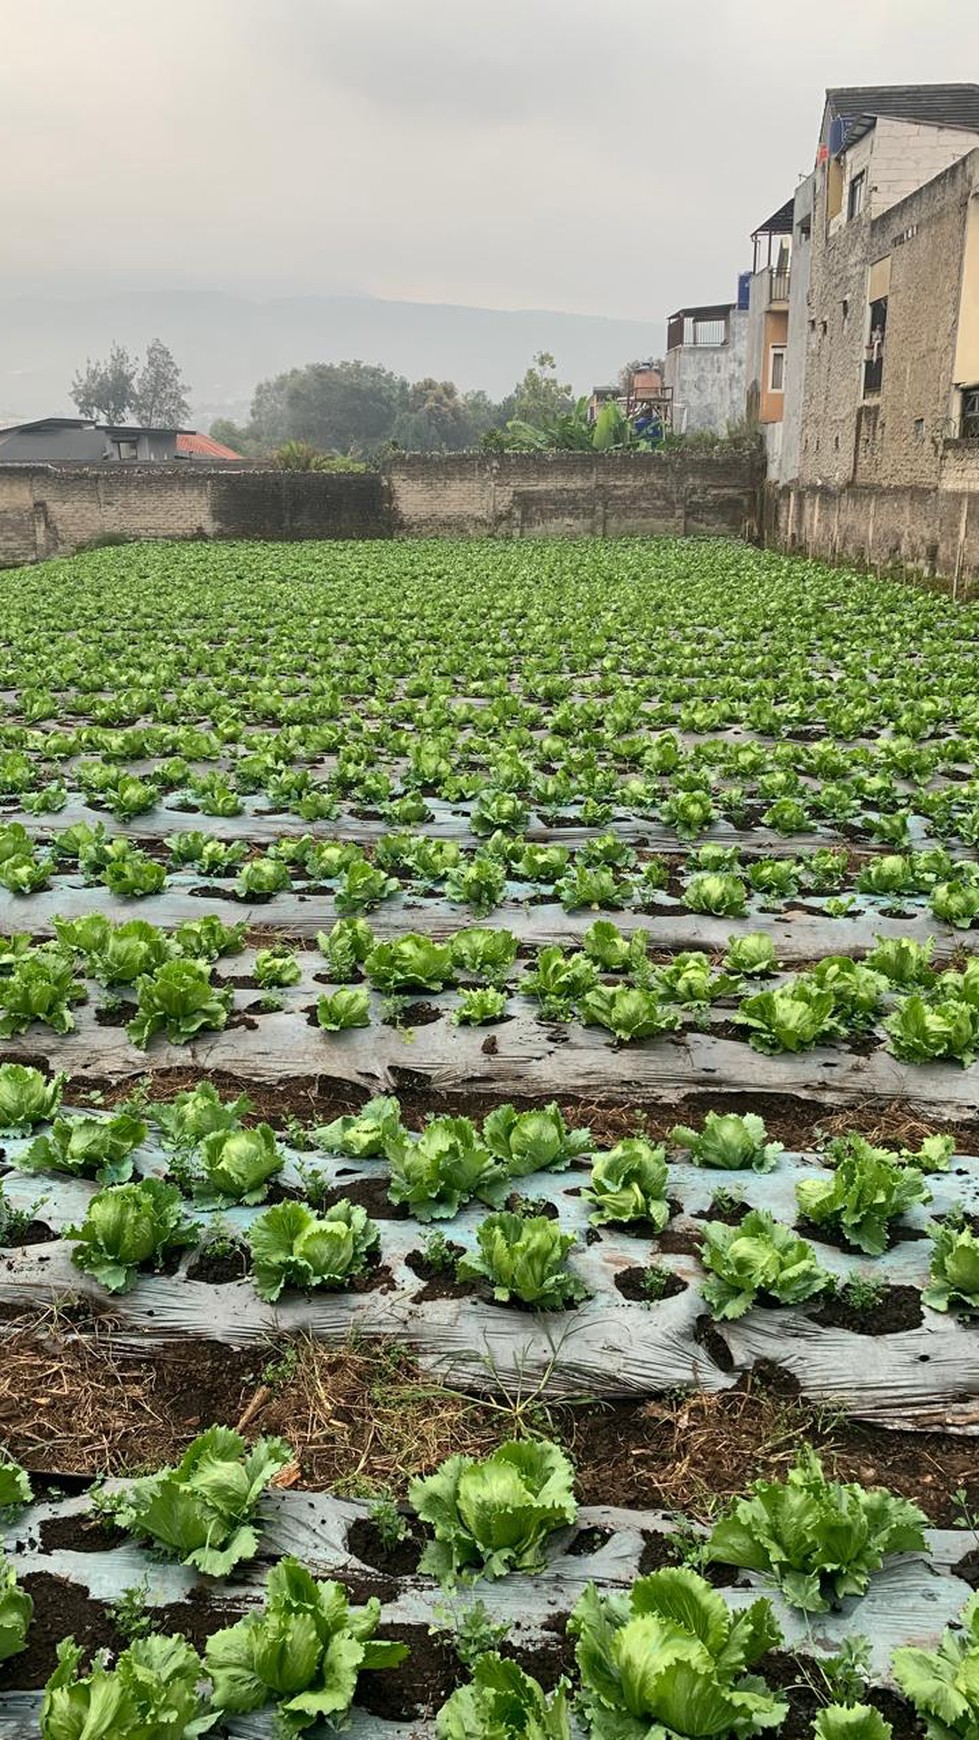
(203, 447)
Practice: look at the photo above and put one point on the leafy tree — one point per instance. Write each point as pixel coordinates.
(237, 436)
(540, 396)
(104, 389)
(159, 396)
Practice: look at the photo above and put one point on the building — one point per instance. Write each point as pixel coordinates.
(80, 441)
(704, 368)
(885, 376)
(766, 344)
(642, 398)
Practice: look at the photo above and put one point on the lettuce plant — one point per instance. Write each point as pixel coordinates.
(15, 1484)
(205, 939)
(903, 961)
(729, 1141)
(411, 962)
(127, 951)
(501, 1702)
(629, 1183)
(41, 988)
(303, 1652)
(956, 903)
(153, 1692)
(293, 1247)
(128, 1227)
(365, 1134)
(179, 1001)
(751, 956)
(27, 1097)
(719, 893)
(100, 1148)
(558, 981)
(198, 1112)
(666, 1660)
(922, 1032)
(348, 1006)
(487, 954)
(850, 1722)
(346, 947)
(479, 884)
(237, 1166)
(757, 1256)
(363, 887)
(821, 1540)
(493, 1516)
(954, 1276)
(627, 1013)
(277, 967)
(860, 1198)
(262, 877)
(534, 1141)
(524, 1258)
(856, 990)
(479, 1007)
(943, 1683)
(16, 1609)
(791, 1019)
(690, 980)
(604, 943)
(443, 1169)
(202, 1511)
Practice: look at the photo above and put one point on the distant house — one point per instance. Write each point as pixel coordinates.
(704, 368)
(80, 441)
(768, 328)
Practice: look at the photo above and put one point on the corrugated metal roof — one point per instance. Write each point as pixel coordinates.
(940, 105)
(203, 447)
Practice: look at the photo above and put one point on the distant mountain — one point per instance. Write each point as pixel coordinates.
(225, 344)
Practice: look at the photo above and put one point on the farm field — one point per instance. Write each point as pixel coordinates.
(489, 1119)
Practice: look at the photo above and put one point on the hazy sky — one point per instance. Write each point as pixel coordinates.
(603, 156)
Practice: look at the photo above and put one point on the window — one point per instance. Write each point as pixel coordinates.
(970, 413)
(873, 368)
(855, 193)
(776, 369)
(919, 428)
(127, 449)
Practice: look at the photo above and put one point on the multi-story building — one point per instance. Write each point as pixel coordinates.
(766, 345)
(882, 358)
(704, 368)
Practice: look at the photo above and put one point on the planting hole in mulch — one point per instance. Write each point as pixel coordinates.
(36, 1232)
(394, 1558)
(420, 1685)
(648, 1286)
(661, 1550)
(712, 1341)
(369, 1193)
(897, 1234)
(898, 1309)
(440, 1283)
(968, 1568)
(415, 1015)
(588, 1541)
(800, 1681)
(548, 1659)
(82, 1532)
(220, 1267)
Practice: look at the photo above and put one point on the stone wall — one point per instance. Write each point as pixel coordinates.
(919, 531)
(47, 511)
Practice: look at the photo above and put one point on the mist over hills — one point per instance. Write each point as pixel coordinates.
(225, 344)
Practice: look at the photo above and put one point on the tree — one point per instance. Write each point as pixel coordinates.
(154, 393)
(159, 397)
(104, 390)
(540, 395)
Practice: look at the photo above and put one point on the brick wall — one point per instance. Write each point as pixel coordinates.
(47, 511)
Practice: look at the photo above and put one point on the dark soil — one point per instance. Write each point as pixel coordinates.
(630, 1283)
(63, 1608)
(370, 1193)
(36, 1232)
(712, 1341)
(550, 1658)
(826, 1234)
(81, 1532)
(115, 1014)
(661, 1550)
(440, 1283)
(898, 1310)
(588, 1541)
(428, 1675)
(394, 1558)
(416, 1015)
(673, 1242)
(729, 1213)
(537, 1205)
(220, 1270)
(798, 1677)
(968, 1568)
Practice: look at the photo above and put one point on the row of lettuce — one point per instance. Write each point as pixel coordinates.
(608, 983)
(604, 874)
(664, 1656)
(133, 1225)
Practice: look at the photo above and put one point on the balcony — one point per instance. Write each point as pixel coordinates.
(707, 326)
(778, 287)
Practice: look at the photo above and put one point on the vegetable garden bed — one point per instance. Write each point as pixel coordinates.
(579, 942)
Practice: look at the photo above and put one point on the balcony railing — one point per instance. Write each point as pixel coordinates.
(778, 289)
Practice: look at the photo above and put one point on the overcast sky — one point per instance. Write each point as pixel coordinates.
(602, 156)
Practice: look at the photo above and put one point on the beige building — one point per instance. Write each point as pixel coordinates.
(887, 235)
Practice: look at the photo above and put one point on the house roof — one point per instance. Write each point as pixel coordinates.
(780, 222)
(934, 105)
(192, 446)
(42, 423)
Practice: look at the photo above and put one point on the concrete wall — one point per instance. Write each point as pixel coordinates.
(894, 437)
(709, 380)
(920, 531)
(46, 511)
(798, 327)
